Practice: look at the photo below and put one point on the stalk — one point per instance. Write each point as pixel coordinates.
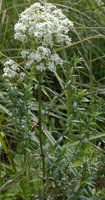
(92, 103)
(40, 132)
(7, 153)
(69, 97)
(68, 76)
(32, 1)
(91, 87)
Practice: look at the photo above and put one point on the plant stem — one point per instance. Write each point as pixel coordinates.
(69, 91)
(32, 1)
(5, 147)
(40, 132)
(69, 97)
(91, 87)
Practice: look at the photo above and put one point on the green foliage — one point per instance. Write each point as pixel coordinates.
(73, 112)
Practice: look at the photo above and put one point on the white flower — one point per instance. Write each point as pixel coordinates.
(40, 22)
(40, 67)
(8, 73)
(51, 66)
(100, 3)
(46, 26)
(11, 69)
(56, 59)
(41, 54)
(9, 62)
(22, 75)
(25, 53)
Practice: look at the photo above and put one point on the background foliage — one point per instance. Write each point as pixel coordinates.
(73, 128)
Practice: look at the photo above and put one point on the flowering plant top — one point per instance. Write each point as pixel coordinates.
(42, 28)
(46, 24)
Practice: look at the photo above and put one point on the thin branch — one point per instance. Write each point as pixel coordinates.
(82, 40)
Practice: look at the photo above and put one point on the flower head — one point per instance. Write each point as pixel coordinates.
(44, 26)
(11, 69)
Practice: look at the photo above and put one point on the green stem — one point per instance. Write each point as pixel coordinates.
(91, 87)
(69, 91)
(40, 132)
(32, 1)
(68, 102)
(69, 96)
(5, 147)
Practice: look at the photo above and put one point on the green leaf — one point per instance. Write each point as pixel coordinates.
(4, 109)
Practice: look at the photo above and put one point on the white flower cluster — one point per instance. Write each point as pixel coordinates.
(100, 7)
(43, 57)
(100, 3)
(44, 26)
(12, 71)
